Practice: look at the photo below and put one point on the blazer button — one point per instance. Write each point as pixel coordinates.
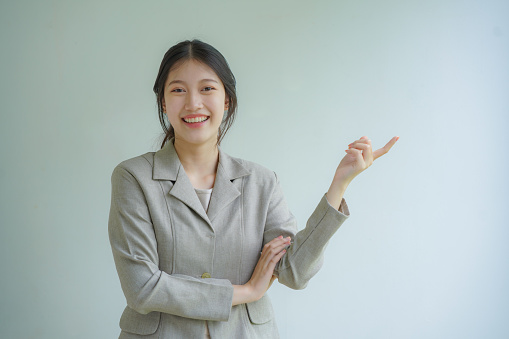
(205, 275)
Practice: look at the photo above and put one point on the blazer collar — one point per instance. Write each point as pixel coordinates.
(167, 166)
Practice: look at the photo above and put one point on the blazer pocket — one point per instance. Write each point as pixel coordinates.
(134, 322)
(260, 311)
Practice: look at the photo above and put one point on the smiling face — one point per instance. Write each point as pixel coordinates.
(194, 102)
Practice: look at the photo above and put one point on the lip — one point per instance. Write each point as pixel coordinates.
(194, 115)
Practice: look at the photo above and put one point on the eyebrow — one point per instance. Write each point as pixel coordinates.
(183, 82)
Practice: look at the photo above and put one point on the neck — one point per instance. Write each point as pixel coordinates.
(199, 161)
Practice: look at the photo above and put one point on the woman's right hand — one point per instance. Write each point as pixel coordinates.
(262, 276)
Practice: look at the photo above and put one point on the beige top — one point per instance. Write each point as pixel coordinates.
(204, 196)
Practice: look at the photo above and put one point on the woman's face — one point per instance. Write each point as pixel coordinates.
(194, 101)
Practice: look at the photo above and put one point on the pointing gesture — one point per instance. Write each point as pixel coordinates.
(359, 156)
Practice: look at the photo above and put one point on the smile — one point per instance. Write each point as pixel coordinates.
(195, 120)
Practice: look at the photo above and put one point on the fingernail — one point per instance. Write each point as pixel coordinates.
(280, 237)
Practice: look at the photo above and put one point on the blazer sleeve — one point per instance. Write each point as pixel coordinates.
(145, 286)
(304, 257)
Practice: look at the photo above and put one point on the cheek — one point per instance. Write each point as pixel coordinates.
(217, 103)
(218, 107)
(173, 107)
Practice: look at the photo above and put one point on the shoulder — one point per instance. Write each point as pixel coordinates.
(137, 166)
(258, 182)
(257, 172)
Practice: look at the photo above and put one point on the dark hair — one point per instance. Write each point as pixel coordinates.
(205, 53)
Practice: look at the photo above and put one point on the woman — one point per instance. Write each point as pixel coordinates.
(198, 236)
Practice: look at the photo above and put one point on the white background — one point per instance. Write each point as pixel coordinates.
(424, 253)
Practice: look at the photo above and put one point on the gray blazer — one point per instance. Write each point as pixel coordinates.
(177, 263)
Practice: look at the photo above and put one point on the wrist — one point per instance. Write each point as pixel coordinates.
(336, 192)
(242, 294)
(339, 186)
(341, 181)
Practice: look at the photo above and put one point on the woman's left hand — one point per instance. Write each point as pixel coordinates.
(359, 157)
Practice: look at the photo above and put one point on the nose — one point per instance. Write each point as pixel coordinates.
(193, 101)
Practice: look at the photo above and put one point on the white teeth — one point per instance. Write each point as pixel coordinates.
(200, 119)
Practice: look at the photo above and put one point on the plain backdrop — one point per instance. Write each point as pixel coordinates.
(424, 253)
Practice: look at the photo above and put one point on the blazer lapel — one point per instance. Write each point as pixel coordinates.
(167, 166)
(184, 191)
(224, 191)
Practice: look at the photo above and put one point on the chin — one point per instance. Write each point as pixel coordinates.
(197, 139)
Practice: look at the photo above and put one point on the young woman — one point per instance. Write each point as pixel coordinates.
(199, 236)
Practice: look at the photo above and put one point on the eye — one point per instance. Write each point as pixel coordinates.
(177, 90)
(208, 88)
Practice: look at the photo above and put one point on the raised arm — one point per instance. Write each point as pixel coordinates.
(304, 257)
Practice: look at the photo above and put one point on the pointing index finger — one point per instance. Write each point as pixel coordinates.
(379, 152)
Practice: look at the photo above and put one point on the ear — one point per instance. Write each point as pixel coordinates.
(226, 103)
(164, 106)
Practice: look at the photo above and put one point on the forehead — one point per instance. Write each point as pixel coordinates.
(191, 70)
